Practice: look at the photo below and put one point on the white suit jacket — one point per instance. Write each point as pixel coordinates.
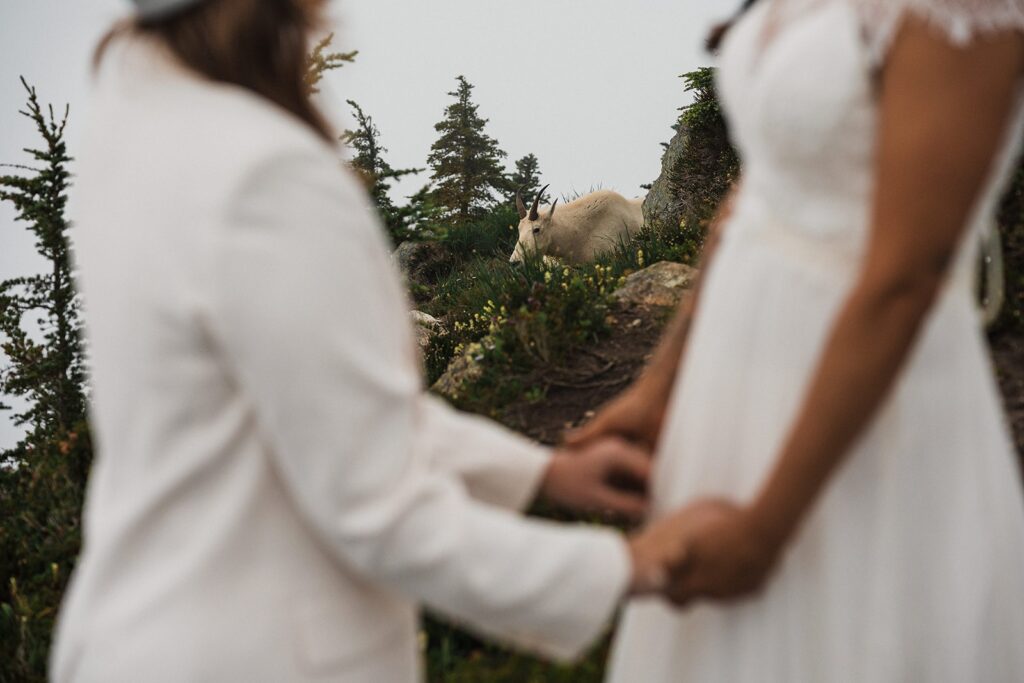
(274, 495)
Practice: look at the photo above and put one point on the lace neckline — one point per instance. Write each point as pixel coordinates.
(961, 21)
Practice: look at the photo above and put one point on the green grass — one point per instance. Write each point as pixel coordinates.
(493, 235)
(452, 656)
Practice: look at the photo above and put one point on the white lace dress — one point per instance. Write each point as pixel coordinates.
(911, 566)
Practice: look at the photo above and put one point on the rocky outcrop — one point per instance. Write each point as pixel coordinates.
(698, 168)
(426, 327)
(663, 210)
(464, 368)
(662, 284)
(420, 262)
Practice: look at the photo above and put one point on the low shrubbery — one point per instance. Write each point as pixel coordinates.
(40, 536)
(1011, 228)
(477, 662)
(521, 318)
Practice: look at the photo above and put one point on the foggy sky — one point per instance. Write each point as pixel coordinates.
(589, 86)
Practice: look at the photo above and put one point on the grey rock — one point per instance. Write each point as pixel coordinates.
(426, 327)
(420, 262)
(663, 208)
(464, 368)
(662, 284)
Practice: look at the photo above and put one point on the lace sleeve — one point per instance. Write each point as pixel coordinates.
(960, 20)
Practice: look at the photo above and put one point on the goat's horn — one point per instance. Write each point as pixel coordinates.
(534, 212)
(553, 205)
(520, 204)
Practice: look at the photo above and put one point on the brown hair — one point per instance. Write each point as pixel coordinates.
(719, 31)
(259, 45)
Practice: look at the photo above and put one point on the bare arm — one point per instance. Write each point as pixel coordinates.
(638, 413)
(944, 111)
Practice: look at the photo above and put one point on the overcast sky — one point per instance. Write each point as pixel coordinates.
(589, 86)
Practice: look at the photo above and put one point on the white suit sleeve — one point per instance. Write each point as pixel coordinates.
(497, 465)
(313, 326)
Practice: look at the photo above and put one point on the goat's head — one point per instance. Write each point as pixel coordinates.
(534, 228)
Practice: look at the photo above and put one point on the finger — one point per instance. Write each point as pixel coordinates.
(685, 600)
(685, 566)
(681, 603)
(581, 436)
(630, 505)
(679, 592)
(632, 462)
(679, 597)
(683, 579)
(684, 591)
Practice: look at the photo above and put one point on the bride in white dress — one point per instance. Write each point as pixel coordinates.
(834, 391)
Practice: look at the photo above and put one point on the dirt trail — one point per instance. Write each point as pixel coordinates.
(590, 378)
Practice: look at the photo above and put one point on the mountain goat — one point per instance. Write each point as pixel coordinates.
(580, 230)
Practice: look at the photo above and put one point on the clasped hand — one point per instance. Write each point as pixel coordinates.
(710, 549)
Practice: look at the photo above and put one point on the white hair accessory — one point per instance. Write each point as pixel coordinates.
(157, 9)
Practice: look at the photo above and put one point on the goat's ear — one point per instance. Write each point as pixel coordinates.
(552, 211)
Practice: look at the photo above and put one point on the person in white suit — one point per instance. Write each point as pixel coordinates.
(274, 495)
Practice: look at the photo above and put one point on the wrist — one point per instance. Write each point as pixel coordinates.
(768, 526)
(553, 474)
(647, 575)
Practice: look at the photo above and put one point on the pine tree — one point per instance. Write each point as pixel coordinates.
(376, 172)
(320, 61)
(47, 373)
(466, 162)
(422, 218)
(526, 178)
(42, 479)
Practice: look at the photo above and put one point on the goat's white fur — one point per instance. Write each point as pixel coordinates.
(580, 230)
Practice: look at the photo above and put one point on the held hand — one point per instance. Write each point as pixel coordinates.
(634, 416)
(660, 551)
(606, 475)
(729, 555)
